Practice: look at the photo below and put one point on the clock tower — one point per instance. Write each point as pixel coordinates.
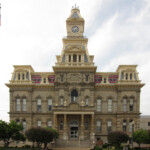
(75, 23)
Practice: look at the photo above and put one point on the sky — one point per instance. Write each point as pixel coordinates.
(31, 33)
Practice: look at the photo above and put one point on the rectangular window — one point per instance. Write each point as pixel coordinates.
(39, 105)
(131, 126)
(17, 104)
(99, 105)
(24, 125)
(124, 105)
(87, 78)
(69, 58)
(39, 123)
(109, 105)
(98, 126)
(74, 58)
(104, 80)
(61, 78)
(148, 123)
(49, 105)
(50, 124)
(79, 58)
(109, 126)
(124, 126)
(24, 104)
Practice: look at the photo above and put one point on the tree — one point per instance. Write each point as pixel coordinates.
(117, 137)
(40, 136)
(140, 136)
(55, 133)
(10, 132)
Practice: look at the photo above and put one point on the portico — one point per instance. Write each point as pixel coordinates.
(74, 124)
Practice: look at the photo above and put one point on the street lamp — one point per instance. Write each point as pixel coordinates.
(132, 132)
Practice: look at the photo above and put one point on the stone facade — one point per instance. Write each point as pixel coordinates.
(75, 99)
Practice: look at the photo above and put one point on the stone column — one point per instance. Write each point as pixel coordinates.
(65, 127)
(82, 127)
(92, 127)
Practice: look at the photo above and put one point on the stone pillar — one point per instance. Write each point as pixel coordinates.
(82, 127)
(65, 127)
(12, 107)
(55, 122)
(92, 127)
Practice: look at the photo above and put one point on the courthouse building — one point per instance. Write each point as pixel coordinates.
(75, 99)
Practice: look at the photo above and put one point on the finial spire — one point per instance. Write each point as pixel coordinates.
(75, 7)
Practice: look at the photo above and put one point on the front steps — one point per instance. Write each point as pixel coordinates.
(71, 149)
(73, 143)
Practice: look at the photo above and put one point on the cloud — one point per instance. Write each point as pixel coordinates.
(31, 33)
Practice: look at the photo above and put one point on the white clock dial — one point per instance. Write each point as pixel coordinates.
(75, 29)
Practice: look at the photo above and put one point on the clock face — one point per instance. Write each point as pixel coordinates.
(75, 29)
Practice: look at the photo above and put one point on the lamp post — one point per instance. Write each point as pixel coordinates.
(132, 132)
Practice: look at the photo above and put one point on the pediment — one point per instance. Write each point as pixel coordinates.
(74, 49)
(74, 105)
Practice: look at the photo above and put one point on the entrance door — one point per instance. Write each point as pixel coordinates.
(74, 132)
(74, 129)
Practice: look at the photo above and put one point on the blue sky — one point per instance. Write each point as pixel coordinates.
(31, 33)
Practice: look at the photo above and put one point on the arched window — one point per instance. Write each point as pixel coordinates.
(74, 96)
(87, 101)
(39, 104)
(49, 104)
(131, 104)
(125, 104)
(18, 104)
(24, 104)
(61, 101)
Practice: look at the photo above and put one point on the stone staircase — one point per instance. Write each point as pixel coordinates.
(72, 144)
(71, 149)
